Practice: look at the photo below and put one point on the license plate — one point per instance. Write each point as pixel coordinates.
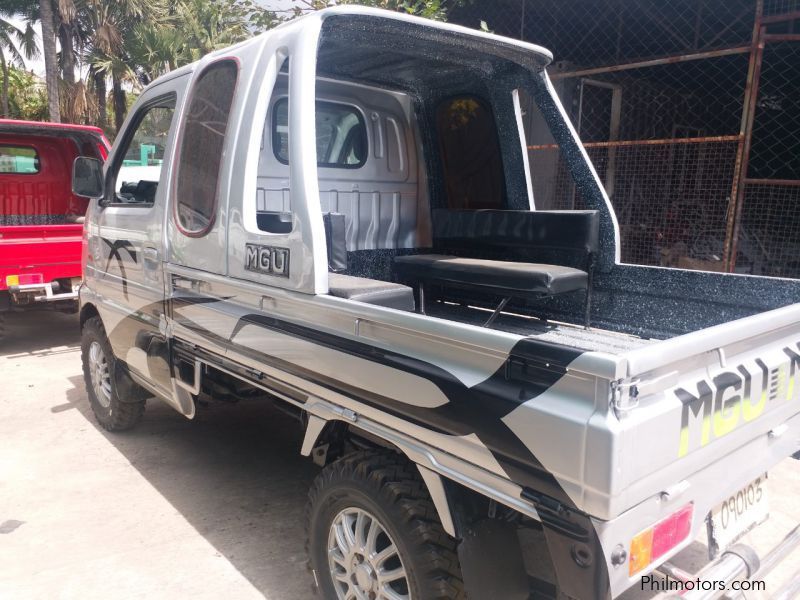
(737, 515)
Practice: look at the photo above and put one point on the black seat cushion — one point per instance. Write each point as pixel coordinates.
(512, 278)
(371, 291)
(335, 226)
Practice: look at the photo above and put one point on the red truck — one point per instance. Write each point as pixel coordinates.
(41, 220)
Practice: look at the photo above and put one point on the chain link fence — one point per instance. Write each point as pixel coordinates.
(690, 112)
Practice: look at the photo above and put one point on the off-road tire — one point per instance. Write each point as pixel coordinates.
(119, 415)
(390, 488)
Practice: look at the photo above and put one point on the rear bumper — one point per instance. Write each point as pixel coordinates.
(739, 564)
(705, 489)
(41, 292)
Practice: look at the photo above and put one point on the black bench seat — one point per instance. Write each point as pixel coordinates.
(371, 291)
(507, 278)
(566, 236)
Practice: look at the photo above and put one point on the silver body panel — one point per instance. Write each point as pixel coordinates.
(380, 201)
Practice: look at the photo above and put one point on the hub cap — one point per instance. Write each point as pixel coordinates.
(364, 561)
(98, 369)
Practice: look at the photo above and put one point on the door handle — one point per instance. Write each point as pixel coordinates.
(150, 255)
(183, 283)
(194, 285)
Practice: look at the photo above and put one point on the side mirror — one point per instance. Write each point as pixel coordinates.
(87, 177)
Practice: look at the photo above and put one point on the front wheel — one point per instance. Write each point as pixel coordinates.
(99, 364)
(374, 534)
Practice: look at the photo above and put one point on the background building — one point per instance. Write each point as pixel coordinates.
(690, 110)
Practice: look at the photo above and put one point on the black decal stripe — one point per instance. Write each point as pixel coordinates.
(531, 369)
(114, 253)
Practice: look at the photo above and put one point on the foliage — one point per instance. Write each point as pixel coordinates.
(27, 97)
(430, 9)
(192, 29)
(132, 42)
(14, 43)
(111, 132)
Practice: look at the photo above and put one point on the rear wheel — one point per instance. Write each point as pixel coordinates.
(112, 412)
(374, 534)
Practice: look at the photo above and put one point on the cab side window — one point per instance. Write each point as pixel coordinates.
(200, 156)
(341, 134)
(137, 176)
(18, 160)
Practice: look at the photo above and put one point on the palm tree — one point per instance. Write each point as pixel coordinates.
(66, 16)
(133, 46)
(156, 49)
(47, 18)
(129, 43)
(109, 29)
(15, 42)
(209, 26)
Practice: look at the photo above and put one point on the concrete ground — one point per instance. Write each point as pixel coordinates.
(210, 508)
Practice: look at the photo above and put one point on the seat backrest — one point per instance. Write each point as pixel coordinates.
(561, 237)
(576, 230)
(336, 241)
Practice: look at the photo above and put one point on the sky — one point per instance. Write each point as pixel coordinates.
(37, 66)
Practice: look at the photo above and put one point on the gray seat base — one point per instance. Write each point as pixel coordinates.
(503, 277)
(371, 291)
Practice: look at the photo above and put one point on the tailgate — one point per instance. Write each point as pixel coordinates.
(51, 250)
(701, 398)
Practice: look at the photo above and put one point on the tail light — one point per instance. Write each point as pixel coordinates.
(25, 279)
(654, 542)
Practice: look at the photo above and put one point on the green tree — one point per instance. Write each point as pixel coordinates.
(133, 42)
(107, 30)
(192, 29)
(47, 18)
(27, 96)
(430, 9)
(209, 26)
(15, 43)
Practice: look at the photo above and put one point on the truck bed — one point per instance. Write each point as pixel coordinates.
(54, 251)
(575, 336)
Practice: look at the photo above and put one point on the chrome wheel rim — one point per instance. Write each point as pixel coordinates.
(364, 561)
(98, 369)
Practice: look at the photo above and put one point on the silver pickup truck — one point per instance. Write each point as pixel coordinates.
(343, 224)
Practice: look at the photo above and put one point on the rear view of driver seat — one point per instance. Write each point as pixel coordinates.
(360, 289)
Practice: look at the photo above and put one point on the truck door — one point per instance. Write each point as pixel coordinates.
(196, 221)
(276, 235)
(126, 243)
(215, 246)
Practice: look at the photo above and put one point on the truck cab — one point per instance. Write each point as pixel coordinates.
(343, 222)
(41, 220)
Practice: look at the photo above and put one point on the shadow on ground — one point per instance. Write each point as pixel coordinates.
(235, 474)
(38, 333)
